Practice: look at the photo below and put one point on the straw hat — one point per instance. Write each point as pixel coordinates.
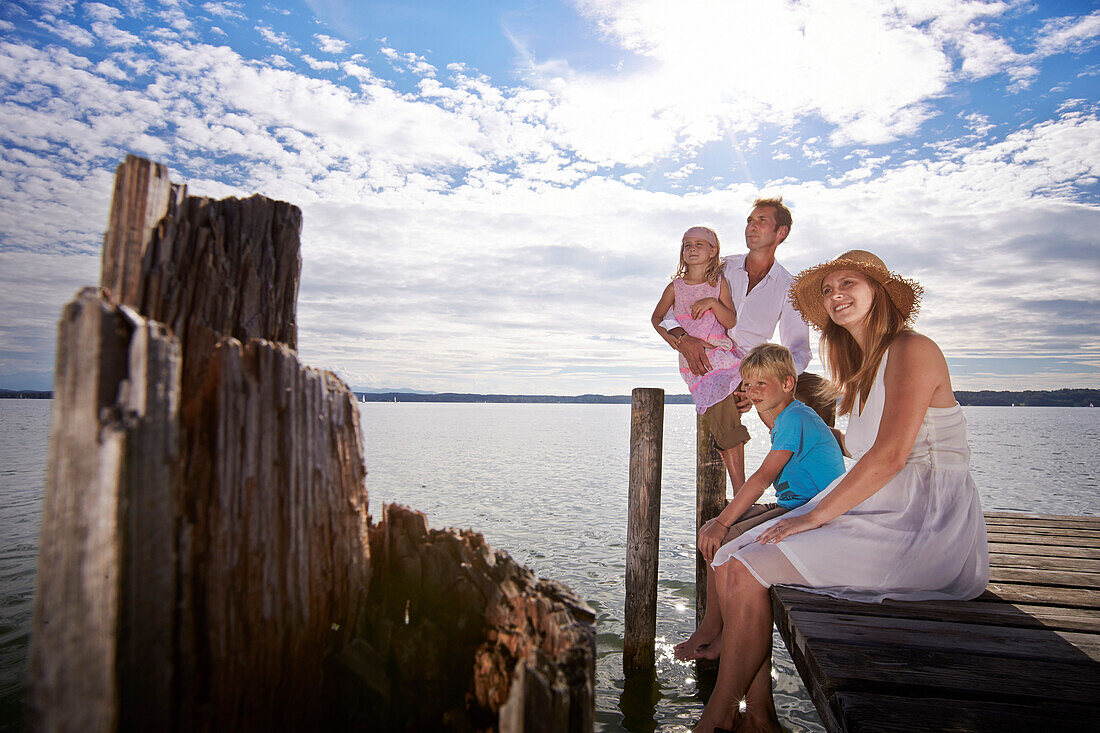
(805, 292)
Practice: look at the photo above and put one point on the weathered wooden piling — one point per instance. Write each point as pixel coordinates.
(710, 500)
(647, 418)
(205, 553)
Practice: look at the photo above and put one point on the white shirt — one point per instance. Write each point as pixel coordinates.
(758, 312)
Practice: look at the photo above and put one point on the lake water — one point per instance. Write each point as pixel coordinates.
(548, 483)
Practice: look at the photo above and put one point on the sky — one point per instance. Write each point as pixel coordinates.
(494, 192)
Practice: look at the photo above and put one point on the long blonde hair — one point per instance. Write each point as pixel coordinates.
(714, 266)
(852, 372)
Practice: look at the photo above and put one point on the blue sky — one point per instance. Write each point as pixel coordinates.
(494, 192)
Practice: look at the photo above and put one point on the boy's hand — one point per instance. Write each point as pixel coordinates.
(701, 306)
(711, 535)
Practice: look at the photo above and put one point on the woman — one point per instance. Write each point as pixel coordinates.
(903, 523)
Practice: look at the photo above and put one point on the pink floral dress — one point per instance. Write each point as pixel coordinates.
(723, 378)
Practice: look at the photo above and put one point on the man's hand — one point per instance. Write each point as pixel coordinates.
(711, 535)
(744, 404)
(695, 352)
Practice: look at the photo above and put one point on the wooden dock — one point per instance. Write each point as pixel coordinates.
(1025, 655)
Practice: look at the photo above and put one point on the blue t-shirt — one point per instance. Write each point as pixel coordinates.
(817, 460)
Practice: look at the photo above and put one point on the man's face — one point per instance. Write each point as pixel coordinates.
(760, 231)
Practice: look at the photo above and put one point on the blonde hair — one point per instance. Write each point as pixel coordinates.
(714, 268)
(851, 371)
(772, 360)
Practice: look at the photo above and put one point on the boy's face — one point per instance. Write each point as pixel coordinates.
(767, 392)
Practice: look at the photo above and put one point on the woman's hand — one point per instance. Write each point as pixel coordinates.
(784, 528)
(711, 535)
(701, 306)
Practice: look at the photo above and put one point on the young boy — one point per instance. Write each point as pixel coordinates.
(804, 459)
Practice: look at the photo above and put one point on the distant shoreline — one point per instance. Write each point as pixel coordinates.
(984, 398)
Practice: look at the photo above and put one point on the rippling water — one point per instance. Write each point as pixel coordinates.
(548, 483)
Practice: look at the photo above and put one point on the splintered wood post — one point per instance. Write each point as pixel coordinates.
(112, 462)
(647, 418)
(710, 500)
(143, 196)
(204, 544)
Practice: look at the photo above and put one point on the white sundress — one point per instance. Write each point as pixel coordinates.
(920, 537)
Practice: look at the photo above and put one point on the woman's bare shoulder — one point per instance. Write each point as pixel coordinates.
(916, 359)
(910, 346)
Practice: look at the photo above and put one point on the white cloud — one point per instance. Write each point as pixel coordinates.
(1074, 35)
(318, 65)
(328, 44)
(282, 40)
(225, 10)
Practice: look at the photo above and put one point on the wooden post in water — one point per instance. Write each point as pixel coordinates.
(647, 418)
(710, 500)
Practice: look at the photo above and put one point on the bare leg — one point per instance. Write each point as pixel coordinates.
(703, 643)
(734, 458)
(759, 704)
(747, 609)
(706, 643)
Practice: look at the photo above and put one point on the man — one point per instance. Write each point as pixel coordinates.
(759, 285)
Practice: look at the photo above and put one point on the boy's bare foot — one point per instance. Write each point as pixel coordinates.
(691, 647)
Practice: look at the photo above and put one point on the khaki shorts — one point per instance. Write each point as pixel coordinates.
(724, 421)
(754, 516)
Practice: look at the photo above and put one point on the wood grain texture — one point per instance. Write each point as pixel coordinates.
(710, 500)
(469, 637)
(112, 453)
(643, 527)
(143, 195)
(275, 566)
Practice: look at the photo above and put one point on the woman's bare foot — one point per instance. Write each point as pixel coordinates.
(707, 724)
(761, 724)
(698, 645)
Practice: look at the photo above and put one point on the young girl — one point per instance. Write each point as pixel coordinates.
(701, 303)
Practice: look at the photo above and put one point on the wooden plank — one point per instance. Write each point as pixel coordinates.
(906, 671)
(1044, 562)
(1046, 536)
(871, 713)
(1074, 520)
(920, 634)
(1063, 578)
(1018, 548)
(1083, 598)
(993, 612)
